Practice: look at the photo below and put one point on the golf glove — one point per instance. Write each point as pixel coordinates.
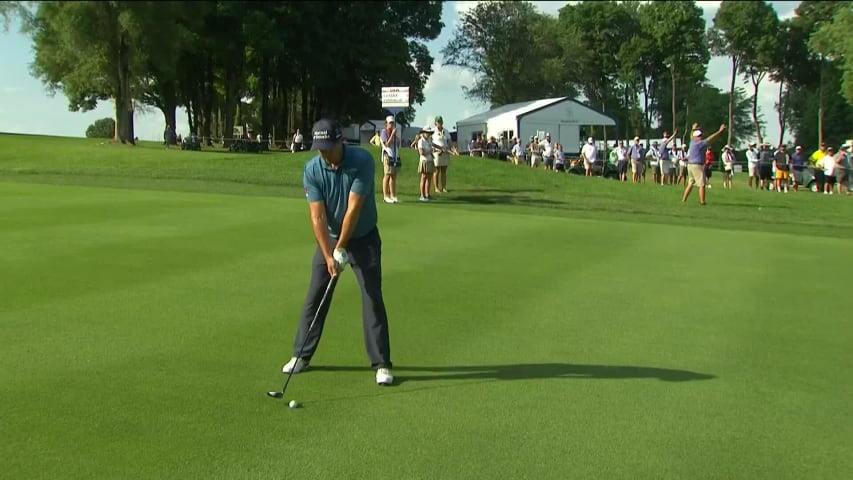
(341, 257)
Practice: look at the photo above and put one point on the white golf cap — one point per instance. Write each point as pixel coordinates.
(590, 140)
(389, 119)
(697, 133)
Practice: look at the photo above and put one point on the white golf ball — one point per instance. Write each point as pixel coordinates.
(293, 404)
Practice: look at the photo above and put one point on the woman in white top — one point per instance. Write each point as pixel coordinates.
(728, 166)
(559, 158)
(426, 165)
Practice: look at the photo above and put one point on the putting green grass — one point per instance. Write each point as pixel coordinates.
(542, 326)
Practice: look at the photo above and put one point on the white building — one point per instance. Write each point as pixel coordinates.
(372, 127)
(562, 117)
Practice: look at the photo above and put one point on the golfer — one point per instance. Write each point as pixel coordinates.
(339, 186)
(696, 162)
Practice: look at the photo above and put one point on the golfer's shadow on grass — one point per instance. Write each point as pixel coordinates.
(532, 371)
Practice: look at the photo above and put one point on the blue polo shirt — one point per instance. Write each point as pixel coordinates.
(333, 186)
(696, 152)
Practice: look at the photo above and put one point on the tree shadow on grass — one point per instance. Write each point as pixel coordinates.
(531, 371)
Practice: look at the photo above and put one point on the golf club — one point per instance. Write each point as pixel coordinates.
(332, 281)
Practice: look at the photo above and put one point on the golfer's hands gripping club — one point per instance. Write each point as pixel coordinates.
(340, 259)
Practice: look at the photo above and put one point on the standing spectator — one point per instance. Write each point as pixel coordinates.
(665, 161)
(653, 159)
(559, 158)
(798, 162)
(709, 166)
(695, 161)
(681, 155)
(765, 166)
(827, 163)
(441, 155)
(842, 169)
(819, 175)
(635, 153)
(782, 162)
(517, 152)
(426, 166)
(728, 166)
(390, 159)
(296, 143)
(535, 152)
(589, 154)
(622, 162)
(547, 152)
(752, 164)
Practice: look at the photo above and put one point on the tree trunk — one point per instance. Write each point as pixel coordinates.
(123, 100)
(265, 96)
(646, 120)
(304, 113)
(756, 80)
(207, 113)
(732, 100)
(191, 123)
(820, 106)
(672, 72)
(783, 110)
(230, 104)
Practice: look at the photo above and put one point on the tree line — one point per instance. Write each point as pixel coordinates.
(646, 62)
(275, 65)
(280, 65)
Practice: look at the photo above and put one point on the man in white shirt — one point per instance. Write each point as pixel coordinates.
(589, 154)
(517, 152)
(547, 152)
(296, 144)
(752, 164)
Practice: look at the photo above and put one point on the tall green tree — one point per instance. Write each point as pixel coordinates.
(677, 32)
(834, 40)
(501, 44)
(747, 32)
(592, 34)
(93, 51)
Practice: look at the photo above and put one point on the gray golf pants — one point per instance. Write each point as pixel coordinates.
(366, 253)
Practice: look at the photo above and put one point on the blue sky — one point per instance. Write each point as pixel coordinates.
(25, 106)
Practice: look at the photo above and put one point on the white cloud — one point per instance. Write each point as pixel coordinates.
(447, 78)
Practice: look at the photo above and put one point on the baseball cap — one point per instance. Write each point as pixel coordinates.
(799, 147)
(389, 119)
(438, 119)
(697, 133)
(590, 140)
(325, 134)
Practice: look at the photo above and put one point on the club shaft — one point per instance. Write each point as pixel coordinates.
(332, 281)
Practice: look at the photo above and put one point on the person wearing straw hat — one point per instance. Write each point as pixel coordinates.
(390, 139)
(696, 162)
(728, 166)
(426, 166)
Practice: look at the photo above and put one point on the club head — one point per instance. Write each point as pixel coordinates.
(275, 394)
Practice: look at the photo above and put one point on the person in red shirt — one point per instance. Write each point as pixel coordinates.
(709, 162)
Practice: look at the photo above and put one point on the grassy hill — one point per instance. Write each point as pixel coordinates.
(542, 325)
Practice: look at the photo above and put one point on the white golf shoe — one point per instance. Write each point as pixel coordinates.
(296, 365)
(384, 376)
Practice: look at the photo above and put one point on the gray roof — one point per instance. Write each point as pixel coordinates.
(483, 117)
